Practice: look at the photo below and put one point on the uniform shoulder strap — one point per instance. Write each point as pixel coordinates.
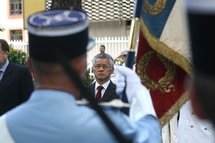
(5, 136)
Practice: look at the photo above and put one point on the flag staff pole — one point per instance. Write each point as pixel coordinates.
(134, 33)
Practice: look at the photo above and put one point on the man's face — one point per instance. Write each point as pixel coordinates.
(3, 57)
(102, 70)
(102, 49)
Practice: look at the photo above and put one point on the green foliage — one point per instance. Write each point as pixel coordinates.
(2, 29)
(87, 80)
(17, 56)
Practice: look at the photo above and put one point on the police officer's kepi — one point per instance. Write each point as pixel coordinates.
(201, 20)
(64, 30)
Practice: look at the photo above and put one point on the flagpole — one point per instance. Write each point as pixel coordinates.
(134, 33)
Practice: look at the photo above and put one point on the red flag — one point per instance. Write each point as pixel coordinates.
(162, 63)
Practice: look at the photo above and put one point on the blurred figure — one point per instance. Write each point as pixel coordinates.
(51, 115)
(193, 130)
(16, 82)
(201, 21)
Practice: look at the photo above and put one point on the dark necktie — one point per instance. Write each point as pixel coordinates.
(99, 94)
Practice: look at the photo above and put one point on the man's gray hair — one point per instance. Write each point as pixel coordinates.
(103, 56)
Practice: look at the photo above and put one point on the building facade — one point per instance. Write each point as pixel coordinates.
(108, 18)
(12, 20)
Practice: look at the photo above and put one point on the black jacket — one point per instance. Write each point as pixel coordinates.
(109, 94)
(15, 87)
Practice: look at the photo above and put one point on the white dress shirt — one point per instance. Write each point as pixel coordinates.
(105, 85)
(3, 69)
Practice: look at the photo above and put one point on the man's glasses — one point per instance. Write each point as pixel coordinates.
(103, 66)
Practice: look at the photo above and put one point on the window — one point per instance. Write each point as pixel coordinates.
(15, 34)
(15, 7)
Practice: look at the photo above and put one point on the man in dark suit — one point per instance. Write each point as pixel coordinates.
(16, 82)
(109, 94)
(103, 67)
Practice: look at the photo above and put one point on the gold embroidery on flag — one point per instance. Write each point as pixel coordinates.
(154, 9)
(174, 109)
(176, 58)
(164, 83)
(164, 50)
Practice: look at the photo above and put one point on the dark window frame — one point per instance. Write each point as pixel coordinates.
(16, 34)
(15, 7)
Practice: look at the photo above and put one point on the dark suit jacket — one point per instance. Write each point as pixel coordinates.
(109, 94)
(15, 87)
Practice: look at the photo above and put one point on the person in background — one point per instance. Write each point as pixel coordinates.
(120, 59)
(193, 130)
(51, 115)
(202, 88)
(103, 89)
(102, 49)
(200, 15)
(16, 83)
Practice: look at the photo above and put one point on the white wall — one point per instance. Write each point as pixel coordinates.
(9, 23)
(108, 29)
